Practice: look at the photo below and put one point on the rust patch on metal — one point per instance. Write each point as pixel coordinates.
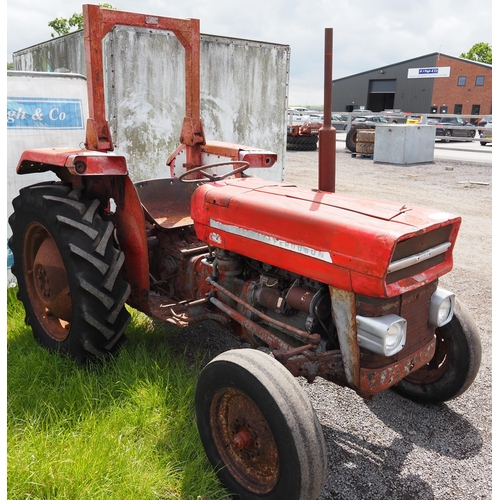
(244, 440)
(344, 314)
(373, 381)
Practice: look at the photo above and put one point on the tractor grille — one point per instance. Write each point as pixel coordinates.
(414, 307)
(420, 253)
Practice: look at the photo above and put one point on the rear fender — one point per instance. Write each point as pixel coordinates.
(77, 162)
(128, 218)
(104, 176)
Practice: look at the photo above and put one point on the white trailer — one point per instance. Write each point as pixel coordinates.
(43, 110)
(243, 87)
(244, 95)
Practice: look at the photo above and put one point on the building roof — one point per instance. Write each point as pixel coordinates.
(433, 54)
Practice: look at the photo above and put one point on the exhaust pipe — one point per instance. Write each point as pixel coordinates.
(327, 133)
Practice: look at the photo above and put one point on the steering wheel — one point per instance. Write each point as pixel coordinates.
(213, 178)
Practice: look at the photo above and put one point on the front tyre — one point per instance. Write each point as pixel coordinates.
(454, 366)
(259, 429)
(68, 272)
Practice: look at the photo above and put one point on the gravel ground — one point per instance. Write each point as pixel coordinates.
(391, 448)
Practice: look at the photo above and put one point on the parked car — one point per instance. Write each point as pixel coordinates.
(486, 134)
(296, 109)
(371, 118)
(452, 126)
(413, 119)
(297, 117)
(316, 117)
(485, 120)
(337, 122)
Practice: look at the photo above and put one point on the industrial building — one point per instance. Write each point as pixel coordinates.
(434, 83)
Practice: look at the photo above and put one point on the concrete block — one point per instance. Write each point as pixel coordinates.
(404, 144)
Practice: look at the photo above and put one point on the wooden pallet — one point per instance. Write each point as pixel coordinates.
(360, 155)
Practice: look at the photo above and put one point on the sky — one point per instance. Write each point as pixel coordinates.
(367, 34)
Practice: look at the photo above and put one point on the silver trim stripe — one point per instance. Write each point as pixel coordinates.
(418, 257)
(271, 240)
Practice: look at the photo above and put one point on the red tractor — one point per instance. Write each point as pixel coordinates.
(332, 286)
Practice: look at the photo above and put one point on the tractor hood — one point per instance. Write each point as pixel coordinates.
(369, 247)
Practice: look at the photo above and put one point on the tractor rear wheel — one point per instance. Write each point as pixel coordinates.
(259, 429)
(454, 366)
(67, 267)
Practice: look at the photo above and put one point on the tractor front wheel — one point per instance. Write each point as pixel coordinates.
(454, 366)
(67, 267)
(259, 429)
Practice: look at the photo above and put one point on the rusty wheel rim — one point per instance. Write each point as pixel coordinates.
(47, 282)
(436, 367)
(244, 440)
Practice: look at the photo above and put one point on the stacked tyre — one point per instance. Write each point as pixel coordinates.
(352, 138)
(301, 142)
(365, 142)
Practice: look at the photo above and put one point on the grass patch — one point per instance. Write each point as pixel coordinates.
(122, 430)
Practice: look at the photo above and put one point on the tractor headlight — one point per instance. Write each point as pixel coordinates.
(384, 335)
(441, 307)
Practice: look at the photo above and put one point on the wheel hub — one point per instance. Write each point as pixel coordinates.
(51, 282)
(246, 444)
(244, 440)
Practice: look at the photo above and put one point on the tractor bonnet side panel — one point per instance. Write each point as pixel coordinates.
(339, 240)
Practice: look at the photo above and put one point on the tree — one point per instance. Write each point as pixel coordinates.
(480, 52)
(63, 26)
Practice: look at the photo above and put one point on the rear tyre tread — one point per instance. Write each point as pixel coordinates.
(92, 263)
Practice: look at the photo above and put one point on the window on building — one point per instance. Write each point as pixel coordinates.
(475, 111)
(461, 81)
(479, 81)
(458, 109)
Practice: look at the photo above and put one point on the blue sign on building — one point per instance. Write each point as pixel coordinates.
(46, 113)
(436, 72)
(428, 71)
